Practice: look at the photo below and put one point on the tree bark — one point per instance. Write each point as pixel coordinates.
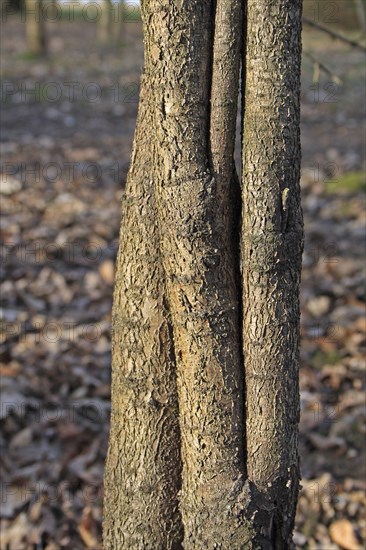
(35, 27)
(228, 473)
(272, 240)
(192, 186)
(143, 468)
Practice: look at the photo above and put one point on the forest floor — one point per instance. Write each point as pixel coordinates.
(67, 128)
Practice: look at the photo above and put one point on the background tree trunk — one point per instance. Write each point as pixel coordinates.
(119, 15)
(178, 310)
(360, 7)
(105, 23)
(35, 27)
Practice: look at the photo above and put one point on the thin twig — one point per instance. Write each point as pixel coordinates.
(323, 67)
(334, 34)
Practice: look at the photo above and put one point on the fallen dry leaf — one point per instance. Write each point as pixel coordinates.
(106, 270)
(326, 443)
(22, 438)
(85, 529)
(342, 533)
(13, 536)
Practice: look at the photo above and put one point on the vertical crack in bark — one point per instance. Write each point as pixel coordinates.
(211, 64)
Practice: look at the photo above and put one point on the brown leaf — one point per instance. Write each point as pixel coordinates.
(106, 270)
(15, 533)
(85, 529)
(22, 438)
(12, 369)
(326, 443)
(318, 305)
(342, 533)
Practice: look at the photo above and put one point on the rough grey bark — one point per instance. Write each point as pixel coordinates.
(272, 240)
(35, 27)
(177, 337)
(192, 185)
(142, 475)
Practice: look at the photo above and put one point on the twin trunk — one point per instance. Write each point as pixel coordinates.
(203, 441)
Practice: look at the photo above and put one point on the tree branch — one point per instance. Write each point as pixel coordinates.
(334, 34)
(323, 67)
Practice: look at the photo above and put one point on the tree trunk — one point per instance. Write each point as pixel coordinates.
(193, 187)
(35, 27)
(272, 239)
(105, 23)
(119, 15)
(143, 469)
(360, 7)
(177, 316)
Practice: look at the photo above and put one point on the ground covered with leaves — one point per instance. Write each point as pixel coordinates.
(68, 125)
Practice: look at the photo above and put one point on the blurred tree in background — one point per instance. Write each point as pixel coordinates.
(35, 27)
